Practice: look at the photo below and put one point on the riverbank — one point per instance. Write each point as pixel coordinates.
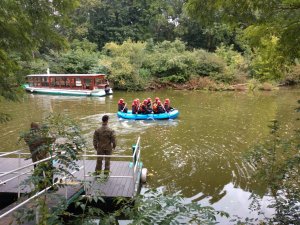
(210, 85)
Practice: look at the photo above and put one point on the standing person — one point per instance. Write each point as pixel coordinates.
(104, 142)
(36, 142)
(122, 106)
(39, 145)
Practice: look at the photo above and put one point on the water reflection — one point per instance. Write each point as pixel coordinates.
(199, 154)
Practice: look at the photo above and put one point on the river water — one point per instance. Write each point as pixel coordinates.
(200, 153)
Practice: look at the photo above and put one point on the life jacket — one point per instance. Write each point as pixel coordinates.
(144, 109)
(160, 109)
(121, 106)
(167, 107)
(134, 108)
(154, 106)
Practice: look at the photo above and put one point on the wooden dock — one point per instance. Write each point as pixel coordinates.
(112, 187)
(122, 185)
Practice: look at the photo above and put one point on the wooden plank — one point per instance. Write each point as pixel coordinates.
(112, 187)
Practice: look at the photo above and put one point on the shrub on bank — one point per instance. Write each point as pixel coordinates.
(293, 77)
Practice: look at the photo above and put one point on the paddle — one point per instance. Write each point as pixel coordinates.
(124, 107)
(165, 110)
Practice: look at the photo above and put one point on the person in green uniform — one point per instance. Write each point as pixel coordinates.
(104, 141)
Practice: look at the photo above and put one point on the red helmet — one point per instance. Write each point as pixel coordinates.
(159, 102)
(145, 101)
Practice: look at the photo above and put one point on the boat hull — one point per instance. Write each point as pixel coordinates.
(72, 92)
(162, 116)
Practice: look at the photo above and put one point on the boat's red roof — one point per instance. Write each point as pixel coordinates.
(65, 75)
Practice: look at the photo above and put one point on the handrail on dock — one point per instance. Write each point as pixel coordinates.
(136, 164)
(135, 157)
(14, 152)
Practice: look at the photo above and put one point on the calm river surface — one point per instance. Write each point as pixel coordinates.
(199, 154)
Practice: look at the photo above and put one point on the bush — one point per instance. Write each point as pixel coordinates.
(266, 87)
(236, 65)
(293, 77)
(207, 64)
(123, 64)
(268, 63)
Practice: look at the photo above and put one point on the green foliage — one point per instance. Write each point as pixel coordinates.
(156, 207)
(271, 28)
(123, 63)
(236, 65)
(277, 163)
(267, 62)
(81, 58)
(293, 76)
(132, 65)
(24, 27)
(64, 151)
(170, 61)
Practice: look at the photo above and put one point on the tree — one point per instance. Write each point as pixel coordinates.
(117, 21)
(278, 18)
(25, 27)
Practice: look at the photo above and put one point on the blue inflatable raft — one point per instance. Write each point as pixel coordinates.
(162, 116)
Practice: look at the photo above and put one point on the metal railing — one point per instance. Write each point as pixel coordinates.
(135, 160)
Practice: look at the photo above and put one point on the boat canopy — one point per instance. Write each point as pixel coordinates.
(68, 81)
(66, 75)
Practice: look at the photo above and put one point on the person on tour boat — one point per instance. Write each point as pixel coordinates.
(135, 107)
(107, 89)
(122, 106)
(167, 105)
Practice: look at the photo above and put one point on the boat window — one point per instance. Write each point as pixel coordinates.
(87, 82)
(78, 82)
(45, 81)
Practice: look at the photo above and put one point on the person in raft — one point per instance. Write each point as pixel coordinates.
(135, 107)
(149, 105)
(139, 106)
(122, 106)
(160, 107)
(144, 108)
(154, 105)
(167, 105)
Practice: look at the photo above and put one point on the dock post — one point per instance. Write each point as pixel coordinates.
(84, 183)
(19, 165)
